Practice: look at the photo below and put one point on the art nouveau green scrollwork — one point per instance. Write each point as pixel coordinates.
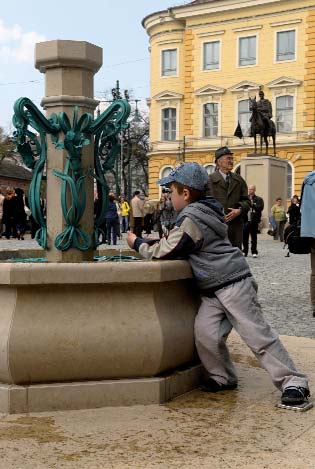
(26, 115)
(73, 194)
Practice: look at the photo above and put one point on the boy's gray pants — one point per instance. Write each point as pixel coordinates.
(237, 306)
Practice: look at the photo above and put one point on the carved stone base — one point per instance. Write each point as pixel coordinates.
(16, 399)
(87, 325)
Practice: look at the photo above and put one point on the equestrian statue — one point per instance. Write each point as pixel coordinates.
(261, 122)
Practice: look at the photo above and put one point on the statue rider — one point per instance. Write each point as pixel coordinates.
(265, 108)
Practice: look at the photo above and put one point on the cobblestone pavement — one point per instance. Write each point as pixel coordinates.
(283, 284)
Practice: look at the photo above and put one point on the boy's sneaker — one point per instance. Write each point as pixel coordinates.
(254, 255)
(294, 395)
(210, 385)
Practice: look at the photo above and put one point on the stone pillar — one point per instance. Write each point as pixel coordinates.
(269, 175)
(69, 68)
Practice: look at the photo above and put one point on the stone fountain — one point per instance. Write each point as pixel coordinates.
(77, 333)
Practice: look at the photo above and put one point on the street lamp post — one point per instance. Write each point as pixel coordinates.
(125, 144)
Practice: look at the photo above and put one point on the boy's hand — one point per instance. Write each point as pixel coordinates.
(131, 237)
(233, 213)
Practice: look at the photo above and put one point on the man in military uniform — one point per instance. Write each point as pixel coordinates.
(264, 107)
(231, 191)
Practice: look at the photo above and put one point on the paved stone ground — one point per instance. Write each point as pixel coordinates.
(283, 284)
(234, 429)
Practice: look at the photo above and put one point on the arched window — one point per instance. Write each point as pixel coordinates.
(289, 180)
(169, 124)
(284, 113)
(210, 120)
(164, 172)
(244, 116)
(210, 168)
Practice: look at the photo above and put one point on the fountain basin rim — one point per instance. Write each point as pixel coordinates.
(91, 273)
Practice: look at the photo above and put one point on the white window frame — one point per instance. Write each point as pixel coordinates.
(274, 107)
(202, 118)
(244, 98)
(276, 45)
(292, 182)
(202, 56)
(161, 62)
(161, 123)
(238, 51)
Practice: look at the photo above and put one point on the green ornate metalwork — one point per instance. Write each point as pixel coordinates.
(73, 194)
(26, 115)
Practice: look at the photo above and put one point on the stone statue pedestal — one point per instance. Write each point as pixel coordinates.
(269, 175)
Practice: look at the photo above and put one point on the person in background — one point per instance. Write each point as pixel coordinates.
(9, 213)
(118, 226)
(294, 210)
(112, 219)
(125, 209)
(231, 191)
(251, 221)
(137, 213)
(20, 215)
(148, 211)
(167, 212)
(1, 212)
(278, 212)
(308, 225)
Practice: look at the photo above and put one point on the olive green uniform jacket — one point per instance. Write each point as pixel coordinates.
(235, 196)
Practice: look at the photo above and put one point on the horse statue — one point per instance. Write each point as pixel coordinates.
(262, 126)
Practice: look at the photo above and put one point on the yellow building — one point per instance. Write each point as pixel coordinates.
(208, 58)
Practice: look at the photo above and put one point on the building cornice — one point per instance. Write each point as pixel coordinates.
(280, 147)
(166, 95)
(181, 14)
(283, 82)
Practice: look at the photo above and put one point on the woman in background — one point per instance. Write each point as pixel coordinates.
(278, 212)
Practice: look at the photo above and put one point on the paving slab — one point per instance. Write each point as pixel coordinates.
(233, 429)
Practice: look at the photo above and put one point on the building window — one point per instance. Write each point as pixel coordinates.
(165, 172)
(210, 168)
(285, 45)
(169, 62)
(247, 51)
(211, 55)
(169, 124)
(210, 120)
(289, 181)
(284, 113)
(244, 116)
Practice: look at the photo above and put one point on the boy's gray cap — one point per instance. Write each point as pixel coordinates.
(188, 174)
(221, 152)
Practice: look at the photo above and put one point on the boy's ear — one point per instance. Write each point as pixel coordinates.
(186, 193)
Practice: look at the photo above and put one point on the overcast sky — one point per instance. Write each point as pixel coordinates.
(113, 25)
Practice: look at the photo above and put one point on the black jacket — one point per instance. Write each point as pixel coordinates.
(255, 211)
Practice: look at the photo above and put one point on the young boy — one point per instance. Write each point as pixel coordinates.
(227, 288)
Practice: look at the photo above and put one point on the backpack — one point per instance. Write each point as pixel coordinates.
(292, 237)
